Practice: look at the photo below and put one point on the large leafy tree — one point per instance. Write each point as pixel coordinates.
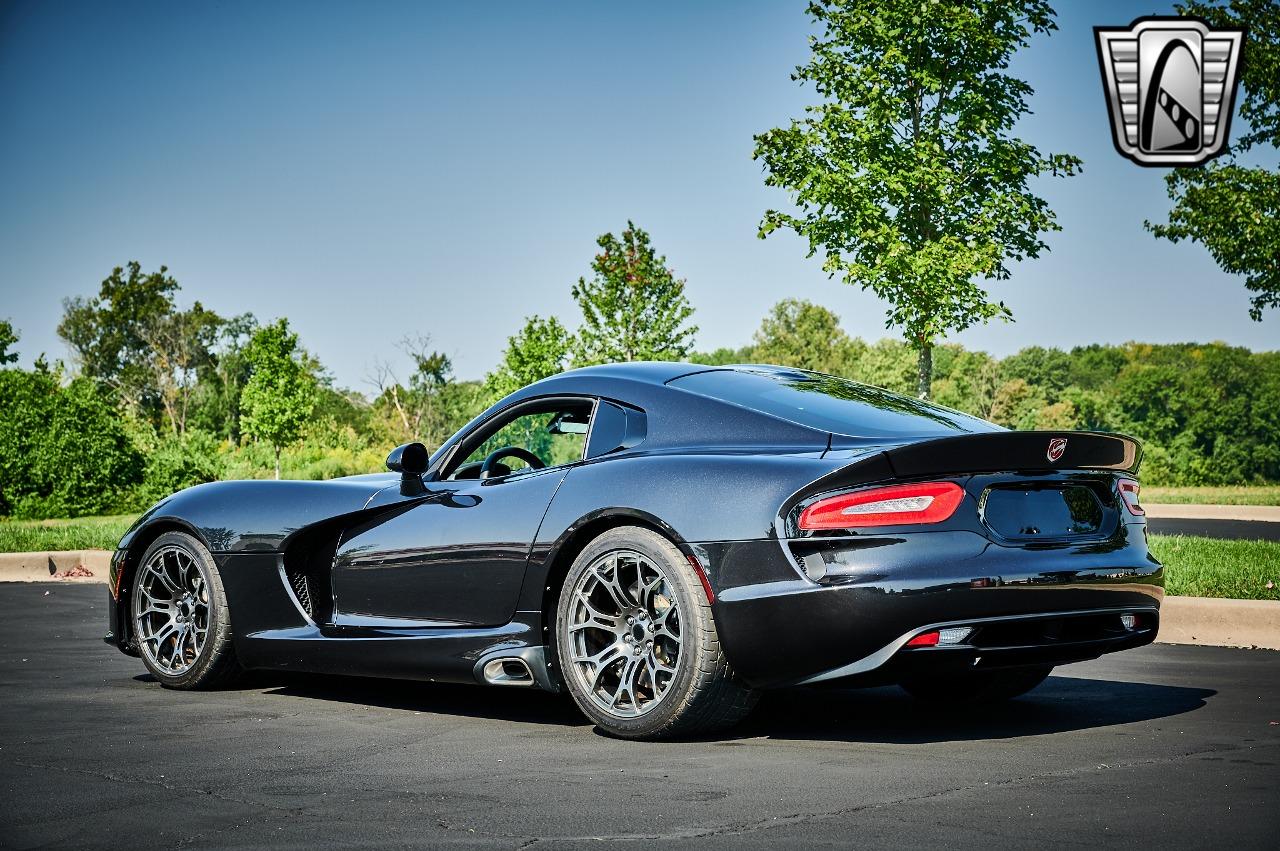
(633, 306)
(133, 339)
(1227, 205)
(539, 350)
(281, 392)
(906, 177)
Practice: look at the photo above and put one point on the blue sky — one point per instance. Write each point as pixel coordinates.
(377, 170)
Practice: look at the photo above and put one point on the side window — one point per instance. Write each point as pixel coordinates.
(555, 435)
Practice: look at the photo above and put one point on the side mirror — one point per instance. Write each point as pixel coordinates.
(410, 461)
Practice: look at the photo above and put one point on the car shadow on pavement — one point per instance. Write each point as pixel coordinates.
(526, 706)
(890, 716)
(876, 715)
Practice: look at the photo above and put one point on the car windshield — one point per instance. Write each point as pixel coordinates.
(829, 403)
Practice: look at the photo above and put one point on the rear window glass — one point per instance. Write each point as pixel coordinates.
(829, 403)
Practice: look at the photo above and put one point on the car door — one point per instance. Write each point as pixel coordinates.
(456, 555)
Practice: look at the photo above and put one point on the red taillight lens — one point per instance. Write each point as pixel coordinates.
(925, 639)
(897, 505)
(1129, 491)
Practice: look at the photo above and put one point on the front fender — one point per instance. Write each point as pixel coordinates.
(256, 515)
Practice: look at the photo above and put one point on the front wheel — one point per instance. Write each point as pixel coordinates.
(180, 616)
(637, 645)
(978, 687)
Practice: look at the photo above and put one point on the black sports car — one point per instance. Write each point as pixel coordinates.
(664, 540)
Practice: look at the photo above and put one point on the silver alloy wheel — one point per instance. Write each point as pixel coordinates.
(624, 633)
(171, 610)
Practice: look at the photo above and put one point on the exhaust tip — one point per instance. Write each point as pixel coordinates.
(508, 671)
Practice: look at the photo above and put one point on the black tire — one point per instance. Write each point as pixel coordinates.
(215, 665)
(979, 687)
(703, 695)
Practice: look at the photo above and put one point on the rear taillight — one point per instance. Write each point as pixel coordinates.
(1129, 492)
(896, 505)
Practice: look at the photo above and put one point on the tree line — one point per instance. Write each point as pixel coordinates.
(159, 397)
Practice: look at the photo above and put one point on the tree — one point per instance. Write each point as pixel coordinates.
(800, 333)
(724, 356)
(633, 307)
(8, 339)
(418, 407)
(280, 394)
(133, 339)
(179, 344)
(64, 451)
(216, 405)
(906, 176)
(1231, 208)
(538, 350)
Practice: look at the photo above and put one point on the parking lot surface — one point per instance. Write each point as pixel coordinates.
(1164, 746)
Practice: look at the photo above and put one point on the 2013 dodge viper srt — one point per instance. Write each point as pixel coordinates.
(664, 540)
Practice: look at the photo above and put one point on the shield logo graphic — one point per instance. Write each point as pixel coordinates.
(1170, 85)
(1057, 446)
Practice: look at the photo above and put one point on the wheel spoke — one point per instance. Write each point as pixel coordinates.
(157, 570)
(602, 659)
(626, 683)
(163, 634)
(601, 668)
(596, 619)
(646, 590)
(613, 586)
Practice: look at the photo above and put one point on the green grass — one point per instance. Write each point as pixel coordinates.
(83, 533)
(1207, 567)
(1238, 495)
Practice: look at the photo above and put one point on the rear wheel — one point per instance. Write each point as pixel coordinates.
(637, 645)
(180, 616)
(978, 687)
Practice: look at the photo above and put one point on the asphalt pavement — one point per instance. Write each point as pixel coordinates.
(1166, 746)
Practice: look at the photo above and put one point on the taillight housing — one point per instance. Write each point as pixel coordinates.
(895, 505)
(1129, 493)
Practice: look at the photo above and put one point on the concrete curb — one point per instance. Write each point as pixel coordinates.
(1183, 620)
(64, 566)
(1171, 511)
(1220, 623)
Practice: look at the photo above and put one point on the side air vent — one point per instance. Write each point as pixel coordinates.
(301, 586)
(305, 570)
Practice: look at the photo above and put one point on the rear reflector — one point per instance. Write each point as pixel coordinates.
(924, 639)
(896, 505)
(1129, 490)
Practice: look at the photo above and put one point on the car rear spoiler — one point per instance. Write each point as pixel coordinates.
(990, 452)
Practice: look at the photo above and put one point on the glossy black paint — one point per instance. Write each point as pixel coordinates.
(454, 558)
(422, 576)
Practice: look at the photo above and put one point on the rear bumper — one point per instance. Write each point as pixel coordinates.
(1053, 638)
(854, 624)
